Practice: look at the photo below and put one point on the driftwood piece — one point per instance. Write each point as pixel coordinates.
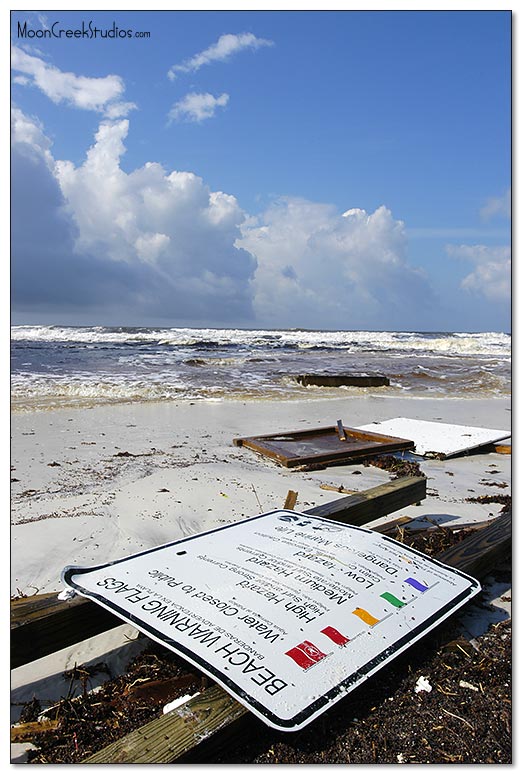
(23, 732)
(339, 489)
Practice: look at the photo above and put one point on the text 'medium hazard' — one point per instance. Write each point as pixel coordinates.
(288, 612)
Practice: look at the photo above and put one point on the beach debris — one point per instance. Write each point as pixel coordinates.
(98, 722)
(66, 594)
(340, 489)
(178, 702)
(342, 380)
(504, 500)
(53, 465)
(257, 498)
(159, 691)
(291, 499)
(423, 684)
(438, 440)
(396, 465)
(23, 732)
(340, 430)
(321, 445)
(465, 684)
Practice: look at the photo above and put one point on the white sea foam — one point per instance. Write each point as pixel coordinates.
(488, 343)
(57, 365)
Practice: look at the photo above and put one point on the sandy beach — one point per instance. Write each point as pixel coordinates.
(93, 485)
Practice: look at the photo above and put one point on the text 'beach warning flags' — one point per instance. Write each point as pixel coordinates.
(287, 612)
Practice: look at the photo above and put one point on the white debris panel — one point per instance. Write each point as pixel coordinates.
(437, 438)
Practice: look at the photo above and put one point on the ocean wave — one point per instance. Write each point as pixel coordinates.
(489, 343)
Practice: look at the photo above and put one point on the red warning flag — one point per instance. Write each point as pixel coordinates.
(306, 654)
(334, 635)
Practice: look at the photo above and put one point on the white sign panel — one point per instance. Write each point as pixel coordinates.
(288, 612)
(437, 437)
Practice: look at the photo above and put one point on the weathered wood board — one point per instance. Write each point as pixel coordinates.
(343, 380)
(323, 445)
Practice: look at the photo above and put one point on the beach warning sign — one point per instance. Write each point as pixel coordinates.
(288, 612)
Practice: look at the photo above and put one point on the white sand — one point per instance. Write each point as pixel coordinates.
(93, 506)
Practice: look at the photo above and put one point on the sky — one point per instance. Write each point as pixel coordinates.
(315, 169)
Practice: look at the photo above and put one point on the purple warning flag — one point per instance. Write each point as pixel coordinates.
(417, 584)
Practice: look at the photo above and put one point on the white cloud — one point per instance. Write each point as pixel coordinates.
(197, 107)
(172, 225)
(22, 80)
(119, 109)
(76, 90)
(500, 206)
(491, 277)
(223, 49)
(156, 244)
(28, 135)
(319, 268)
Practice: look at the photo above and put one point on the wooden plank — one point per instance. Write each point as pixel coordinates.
(167, 738)
(469, 555)
(43, 624)
(343, 380)
(363, 507)
(503, 449)
(478, 554)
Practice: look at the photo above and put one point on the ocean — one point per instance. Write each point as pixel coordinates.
(56, 366)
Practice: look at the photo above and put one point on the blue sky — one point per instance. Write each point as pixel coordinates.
(263, 169)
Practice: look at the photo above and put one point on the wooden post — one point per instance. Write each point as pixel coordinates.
(290, 501)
